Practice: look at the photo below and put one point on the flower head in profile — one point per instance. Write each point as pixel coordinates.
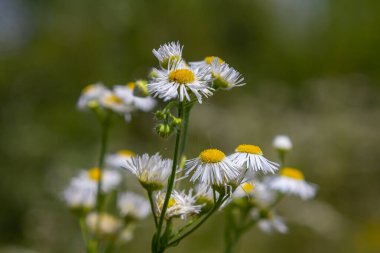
(105, 224)
(250, 158)
(91, 95)
(128, 95)
(207, 61)
(133, 206)
(282, 143)
(117, 160)
(245, 189)
(292, 181)
(180, 205)
(180, 81)
(151, 171)
(212, 168)
(169, 52)
(224, 76)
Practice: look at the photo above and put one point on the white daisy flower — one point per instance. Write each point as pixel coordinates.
(105, 224)
(206, 61)
(80, 194)
(264, 196)
(180, 205)
(246, 189)
(152, 172)
(126, 234)
(291, 181)
(117, 160)
(179, 81)
(133, 206)
(126, 93)
(110, 178)
(224, 76)
(169, 52)
(91, 95)
(212, 168)
(282, 143)
(113, 102)
(205, 197)
(250, 158)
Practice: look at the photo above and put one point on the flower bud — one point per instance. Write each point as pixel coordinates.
(163, 130)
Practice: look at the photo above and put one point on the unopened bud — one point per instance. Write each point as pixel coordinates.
(163, 130)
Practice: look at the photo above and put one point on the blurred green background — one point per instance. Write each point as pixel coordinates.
(312, 69)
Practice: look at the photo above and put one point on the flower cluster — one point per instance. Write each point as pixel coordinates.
(180, 193)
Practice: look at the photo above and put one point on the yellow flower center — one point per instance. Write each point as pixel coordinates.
(251, 149)
(247, 187)
(94, 174)
(182, 76)
(131, 85)
(113, 99)
(209, 60)
(211, 156)
(292, 173)
(126, 153)
(171, 202)
(88, 88)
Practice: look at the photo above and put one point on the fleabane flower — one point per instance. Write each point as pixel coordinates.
(180, 205)
(206, 61)
(292, 181)
(179, 81)
(80, 195)
(104, 224)
(245, 189)
(251, 158)
(224, 76)
(169, 52)
(110, 100)
(282, 143)
(91, 95)
(127, 94)
(212, 168)
(133, 206)
(117, 160)
(110, 178)
(151, 171)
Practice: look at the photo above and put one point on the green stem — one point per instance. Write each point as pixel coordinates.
(83, 229)
(152, 208)
(216, 206)
(103, 147)
(171, 179)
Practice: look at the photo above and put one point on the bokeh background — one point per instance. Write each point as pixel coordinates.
(312, 69)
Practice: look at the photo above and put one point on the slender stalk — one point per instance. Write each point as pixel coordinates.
(152, 208)
(83, 229)
(103, 148)
(216, 206)
(171, 179)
